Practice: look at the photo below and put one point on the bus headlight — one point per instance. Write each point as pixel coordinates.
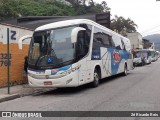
(31, 75)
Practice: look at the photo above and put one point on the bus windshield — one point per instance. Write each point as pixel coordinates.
(145, 54)
(51, 47)
(138, 54)
(152, 54)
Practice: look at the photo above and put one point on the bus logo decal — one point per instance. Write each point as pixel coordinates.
(54, 71)
(116, 57)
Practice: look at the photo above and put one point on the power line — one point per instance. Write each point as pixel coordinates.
(156, 32)
(149, 29)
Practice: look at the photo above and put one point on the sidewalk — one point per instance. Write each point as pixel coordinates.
(19, 91)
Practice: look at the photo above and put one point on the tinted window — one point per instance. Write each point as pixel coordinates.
(123, 44)
(107, 40)
(83, 41)
(112, 42)
(97, 38)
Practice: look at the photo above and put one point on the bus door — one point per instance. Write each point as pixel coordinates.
(82, 48)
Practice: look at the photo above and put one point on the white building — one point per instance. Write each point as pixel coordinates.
(136, 40)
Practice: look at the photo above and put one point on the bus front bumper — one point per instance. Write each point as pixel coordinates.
(70, 80)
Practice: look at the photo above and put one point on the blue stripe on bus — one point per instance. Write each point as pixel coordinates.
(54, 71)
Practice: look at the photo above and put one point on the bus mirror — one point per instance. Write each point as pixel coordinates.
(74, 34)
(22, 39)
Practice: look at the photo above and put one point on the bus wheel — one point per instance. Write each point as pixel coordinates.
(125, 70)
(95, 83)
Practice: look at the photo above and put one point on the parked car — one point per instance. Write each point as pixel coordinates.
(142, 57)
(153, 55)
(158, 53)
(139, 59)
(146, 53)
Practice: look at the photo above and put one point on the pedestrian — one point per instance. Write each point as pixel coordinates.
(25, 68)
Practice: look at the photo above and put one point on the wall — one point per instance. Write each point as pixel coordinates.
(16, 55)
(140, 40)
(136, 40)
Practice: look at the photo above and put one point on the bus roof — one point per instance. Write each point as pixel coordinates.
(74, 22)
(62, 24)
(151, 49)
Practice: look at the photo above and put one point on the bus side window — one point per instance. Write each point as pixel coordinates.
(107, 40)
(82, 45)
(98, 38)
(112, 42)
(123, 44)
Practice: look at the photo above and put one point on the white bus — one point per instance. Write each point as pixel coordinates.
(153, 55)
(71, 53)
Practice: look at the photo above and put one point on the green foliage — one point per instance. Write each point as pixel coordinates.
(6, 11)
(15, 8)
(120, 24)
(91, 7)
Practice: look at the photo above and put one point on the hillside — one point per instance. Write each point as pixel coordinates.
(154, 38)
(19, 8)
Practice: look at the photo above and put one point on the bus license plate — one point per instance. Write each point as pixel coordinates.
(47, 83)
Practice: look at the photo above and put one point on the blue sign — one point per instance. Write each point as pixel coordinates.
(50, 59)
(96, 54)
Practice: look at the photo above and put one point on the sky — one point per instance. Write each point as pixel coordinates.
(145, 13)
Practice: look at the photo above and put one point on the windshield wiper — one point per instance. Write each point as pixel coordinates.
(62, 63)
(39, 58)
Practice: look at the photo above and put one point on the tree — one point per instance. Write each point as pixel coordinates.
(117, 24)
(15, 8)
(120, 24)
(88, 6)
(105, 7)
(7, 10)
(129, 25)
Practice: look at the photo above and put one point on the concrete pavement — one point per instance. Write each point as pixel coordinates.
(19, 91)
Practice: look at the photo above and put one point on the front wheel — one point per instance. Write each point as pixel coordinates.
(95, 83)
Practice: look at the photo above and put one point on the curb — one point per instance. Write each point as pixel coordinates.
(36, 92)
(10, 97)
(15, 96)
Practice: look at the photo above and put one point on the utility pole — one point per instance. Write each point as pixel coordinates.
(8, 62)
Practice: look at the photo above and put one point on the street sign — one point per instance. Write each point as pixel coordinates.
(103, 19)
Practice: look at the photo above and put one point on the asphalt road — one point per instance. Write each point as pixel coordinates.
(138, 91)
